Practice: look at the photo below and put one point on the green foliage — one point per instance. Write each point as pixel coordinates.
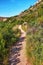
(34, 46)
(8, 37)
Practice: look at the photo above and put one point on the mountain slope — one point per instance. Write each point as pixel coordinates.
(34, 44)
(33, 12)
(9, 34)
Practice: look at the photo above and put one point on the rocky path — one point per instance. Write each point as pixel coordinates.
(17, 53)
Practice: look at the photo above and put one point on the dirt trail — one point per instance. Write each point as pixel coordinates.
(17, 53)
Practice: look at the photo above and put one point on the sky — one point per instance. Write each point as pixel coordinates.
(14, 7)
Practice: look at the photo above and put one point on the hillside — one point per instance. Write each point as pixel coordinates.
(34, 10)
(10, 34)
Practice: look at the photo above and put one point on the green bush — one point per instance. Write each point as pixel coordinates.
(8, 37)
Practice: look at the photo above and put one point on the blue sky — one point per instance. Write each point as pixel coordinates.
(14, 7)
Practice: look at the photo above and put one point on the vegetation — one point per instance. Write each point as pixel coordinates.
(34, 28)
(24, 27)
(8, 37)
(34, 47)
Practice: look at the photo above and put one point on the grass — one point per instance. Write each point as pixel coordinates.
(34, 47)
(24, 27)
